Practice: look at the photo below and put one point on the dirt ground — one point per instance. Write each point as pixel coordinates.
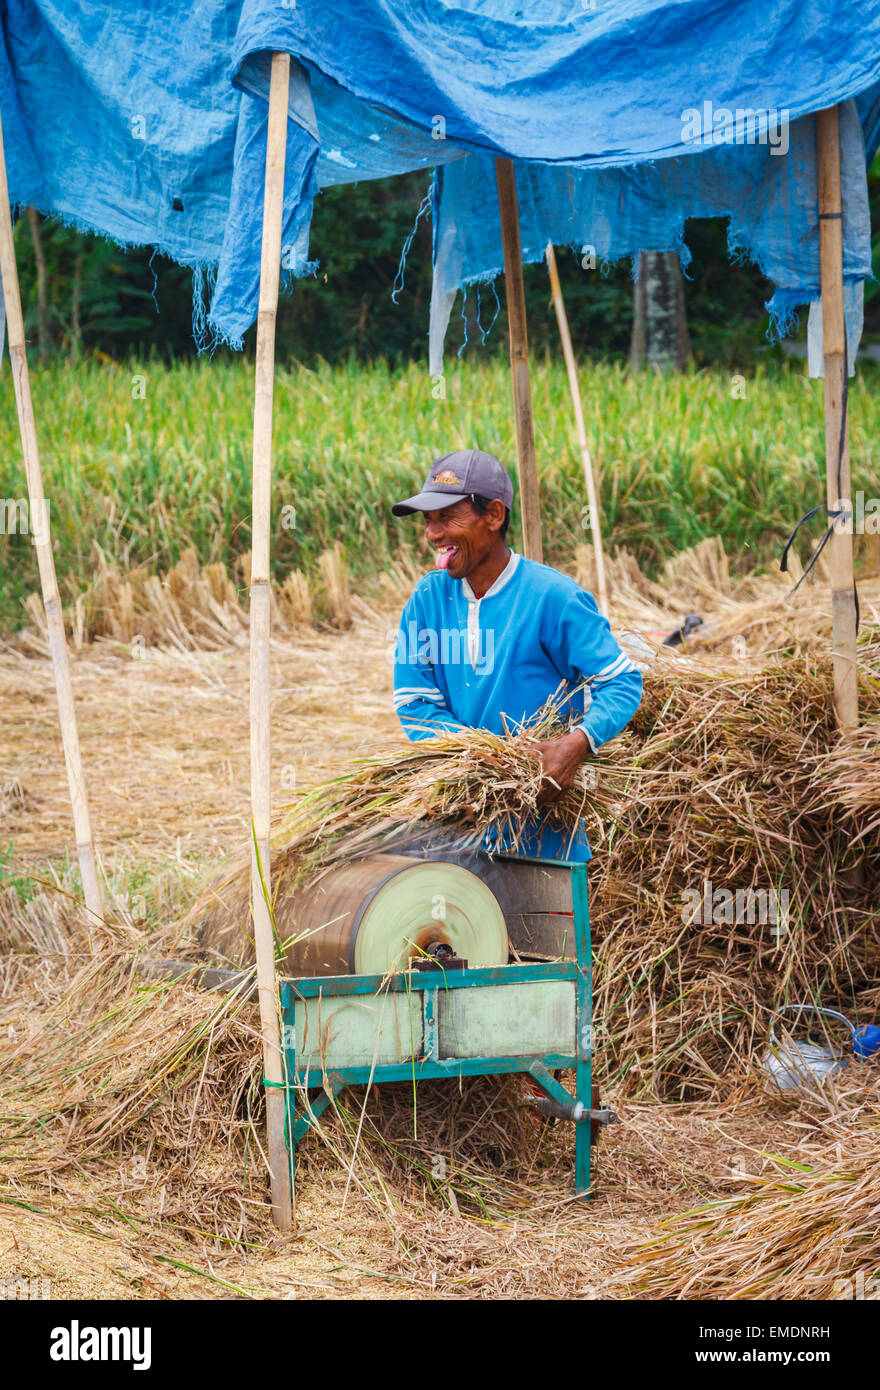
(165, 739)
(165, 745)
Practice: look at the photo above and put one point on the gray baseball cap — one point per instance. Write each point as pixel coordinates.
(452, 478)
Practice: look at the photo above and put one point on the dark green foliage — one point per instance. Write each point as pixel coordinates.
(132, 301)
(102, 298)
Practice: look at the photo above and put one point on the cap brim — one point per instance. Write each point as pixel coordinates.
(428, 502)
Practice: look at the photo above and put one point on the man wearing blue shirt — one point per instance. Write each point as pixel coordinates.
(487, 637)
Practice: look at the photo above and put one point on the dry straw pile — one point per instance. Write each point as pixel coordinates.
(140, 1091)
(192, 606)
(807, 1229)
(132, 1112)
(760, 797)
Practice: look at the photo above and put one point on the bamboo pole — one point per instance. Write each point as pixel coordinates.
(571, 369)
(38, 512)
(529, 501)
(837, 467)
(260, 597)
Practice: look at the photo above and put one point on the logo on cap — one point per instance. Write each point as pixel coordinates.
(447, 477)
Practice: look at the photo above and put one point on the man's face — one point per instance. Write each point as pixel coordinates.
(462, 536)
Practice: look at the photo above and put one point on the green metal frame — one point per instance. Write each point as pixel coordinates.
(306, 1075)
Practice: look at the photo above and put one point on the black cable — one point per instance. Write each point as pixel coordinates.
(837, 512)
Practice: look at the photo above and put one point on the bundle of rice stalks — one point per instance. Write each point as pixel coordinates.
(810, 1229)
(192, 606)
(471, 781)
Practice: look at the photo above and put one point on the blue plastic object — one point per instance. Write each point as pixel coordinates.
(866, 1040)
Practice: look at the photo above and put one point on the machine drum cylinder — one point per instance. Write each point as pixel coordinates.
(374, 915)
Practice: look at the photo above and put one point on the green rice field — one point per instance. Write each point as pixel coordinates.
(146, 460)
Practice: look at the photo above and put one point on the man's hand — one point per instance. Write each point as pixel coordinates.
(560, 760)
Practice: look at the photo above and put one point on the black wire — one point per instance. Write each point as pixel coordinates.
(836, 512)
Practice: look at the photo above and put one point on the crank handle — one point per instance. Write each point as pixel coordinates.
(574, 1110)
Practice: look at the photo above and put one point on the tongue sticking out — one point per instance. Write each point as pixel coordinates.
(444, 556)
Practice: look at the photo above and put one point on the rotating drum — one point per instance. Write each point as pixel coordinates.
(373, 915)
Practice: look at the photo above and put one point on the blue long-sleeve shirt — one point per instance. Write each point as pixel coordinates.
(490, 662)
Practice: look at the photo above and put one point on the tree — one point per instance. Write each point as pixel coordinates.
(660, 332)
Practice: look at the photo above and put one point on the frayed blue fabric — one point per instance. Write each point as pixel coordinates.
(121, 118)
(601, 84)
(608, 215)
(145, 123)
(237, 291)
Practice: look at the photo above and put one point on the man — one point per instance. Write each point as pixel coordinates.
(487, 637)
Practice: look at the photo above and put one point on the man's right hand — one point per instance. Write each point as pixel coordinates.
(560, 760)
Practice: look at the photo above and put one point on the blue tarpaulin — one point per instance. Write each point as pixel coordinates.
(146, 122)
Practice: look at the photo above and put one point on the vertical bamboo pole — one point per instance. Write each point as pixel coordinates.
(837, 468)
(270, 270)
(529, 500)
(571, 369)
(38, 510)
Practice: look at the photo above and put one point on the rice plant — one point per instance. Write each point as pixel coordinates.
(146, 461)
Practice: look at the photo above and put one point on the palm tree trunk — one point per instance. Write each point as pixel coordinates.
(660, 334)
